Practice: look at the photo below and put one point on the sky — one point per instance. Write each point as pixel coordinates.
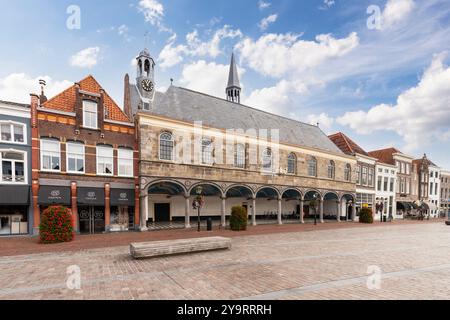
(377, 70)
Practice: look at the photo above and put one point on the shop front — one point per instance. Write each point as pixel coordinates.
(122, 209)
(14, 208)
(91, 210)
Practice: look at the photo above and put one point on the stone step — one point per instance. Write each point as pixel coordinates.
(172, 247)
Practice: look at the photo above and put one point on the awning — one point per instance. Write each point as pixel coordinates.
(91, 196)
(15, 195)
(122, 197)
(424, 206)
(404, 205)
(49, 195)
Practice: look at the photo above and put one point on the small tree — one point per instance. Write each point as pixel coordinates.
(56, 225)
(365, 215)
(238, 220)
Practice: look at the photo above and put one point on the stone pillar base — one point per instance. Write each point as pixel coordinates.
(35, 232)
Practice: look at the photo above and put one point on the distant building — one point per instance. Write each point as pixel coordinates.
(445, 193)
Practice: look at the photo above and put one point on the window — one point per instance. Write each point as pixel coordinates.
(75, 157)
(379, 183)
(50, 155)
(90, 114)
(13, 167)
(292, 163)
(125, 162)
(312, 167)
(267, 159)
(166, 146)
(407, 168)
(348, 172)
(371, 174)
(12, 132)
(403, 168)
(385, 184)
(331, 169)
(364, 175)
(402, 185)
(391, 188)
(207, 151)
(105, 160)
(358, 174)
(239, 156)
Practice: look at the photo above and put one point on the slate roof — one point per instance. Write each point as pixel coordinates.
(347, 145)
(190, 106)
(15, 104)
(233, 77)
(66, 100)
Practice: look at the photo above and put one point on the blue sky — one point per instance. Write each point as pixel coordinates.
(313, 60)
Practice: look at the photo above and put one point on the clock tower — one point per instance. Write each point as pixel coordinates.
(145, 75)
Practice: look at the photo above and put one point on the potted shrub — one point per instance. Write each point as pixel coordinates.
(238, 220)
(56, 225)
(365, 215)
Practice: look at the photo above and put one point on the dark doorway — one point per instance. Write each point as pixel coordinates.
(162, 212)
(92, 220)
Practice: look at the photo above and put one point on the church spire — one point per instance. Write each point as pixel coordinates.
(234, 87)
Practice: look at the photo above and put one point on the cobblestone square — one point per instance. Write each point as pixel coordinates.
(414, 261)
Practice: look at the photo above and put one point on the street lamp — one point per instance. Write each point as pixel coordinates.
(315, 206)
(198, 203)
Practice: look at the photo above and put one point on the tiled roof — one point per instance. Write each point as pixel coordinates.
(347, 145)
(65, 101)
(384, 155)
(187, 105)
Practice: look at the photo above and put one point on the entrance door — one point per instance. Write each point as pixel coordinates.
(162, 212)
(92, 220)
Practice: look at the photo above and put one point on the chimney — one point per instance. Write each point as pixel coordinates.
(126, 97)
(42, 97)
(34, 106)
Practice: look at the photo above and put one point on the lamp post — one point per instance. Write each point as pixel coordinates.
(198, 203)
(315, 208)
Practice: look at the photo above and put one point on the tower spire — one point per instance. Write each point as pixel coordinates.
(234, 87)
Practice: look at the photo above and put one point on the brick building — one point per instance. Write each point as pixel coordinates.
(85, 157)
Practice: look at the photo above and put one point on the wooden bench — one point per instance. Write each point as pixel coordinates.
(172, 247)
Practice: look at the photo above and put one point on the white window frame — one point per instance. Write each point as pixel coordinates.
(239, 156)
(207, 151)
(97, 158)
(77, 156)
(292, 161)
(312, 167)
(172, 140)
(85, 104)
(25, 167)
(266, 158)
(42, 154)
(12, 124)
(120, 158)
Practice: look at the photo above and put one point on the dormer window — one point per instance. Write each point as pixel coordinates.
(90, 116)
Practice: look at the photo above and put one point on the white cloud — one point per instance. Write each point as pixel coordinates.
(324, 120)
(86, 58)
(263, 4)
(278, 55)
(264, 23)
(210, 78)
(173, 54)
(420, 115)
(396, 11)
(17, 87)
(153, 11)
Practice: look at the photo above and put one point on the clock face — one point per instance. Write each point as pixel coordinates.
(147, 85)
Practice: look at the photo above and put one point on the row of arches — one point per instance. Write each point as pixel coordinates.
(266, 203)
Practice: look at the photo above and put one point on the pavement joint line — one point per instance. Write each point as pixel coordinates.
(340, 283)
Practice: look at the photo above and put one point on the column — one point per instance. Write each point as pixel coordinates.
(353, 211)
(302, 214)
(137, 208)
(36, 210)
(187, 215)
(224, 214)
(321, 211)
(144, 212)
(339, 211)
(254, 212)
(279, 212)
(73, 192)
(107, 207)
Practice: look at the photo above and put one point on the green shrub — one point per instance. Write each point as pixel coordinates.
(56, 225)
(365, 215)
(238, 220)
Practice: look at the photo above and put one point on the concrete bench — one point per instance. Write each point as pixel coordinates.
(172, 247)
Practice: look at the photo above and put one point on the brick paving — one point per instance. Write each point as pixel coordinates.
(279, 263)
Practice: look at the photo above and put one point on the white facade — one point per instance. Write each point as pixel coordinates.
(434, 191)
(385, 191)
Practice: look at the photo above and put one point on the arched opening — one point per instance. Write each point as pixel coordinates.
(267, 210)
(331, 208)
(165, 205)
(311, 207)
(212, 205)
(239, 196)
(348, 207)
(147, 68)
(291, 206)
